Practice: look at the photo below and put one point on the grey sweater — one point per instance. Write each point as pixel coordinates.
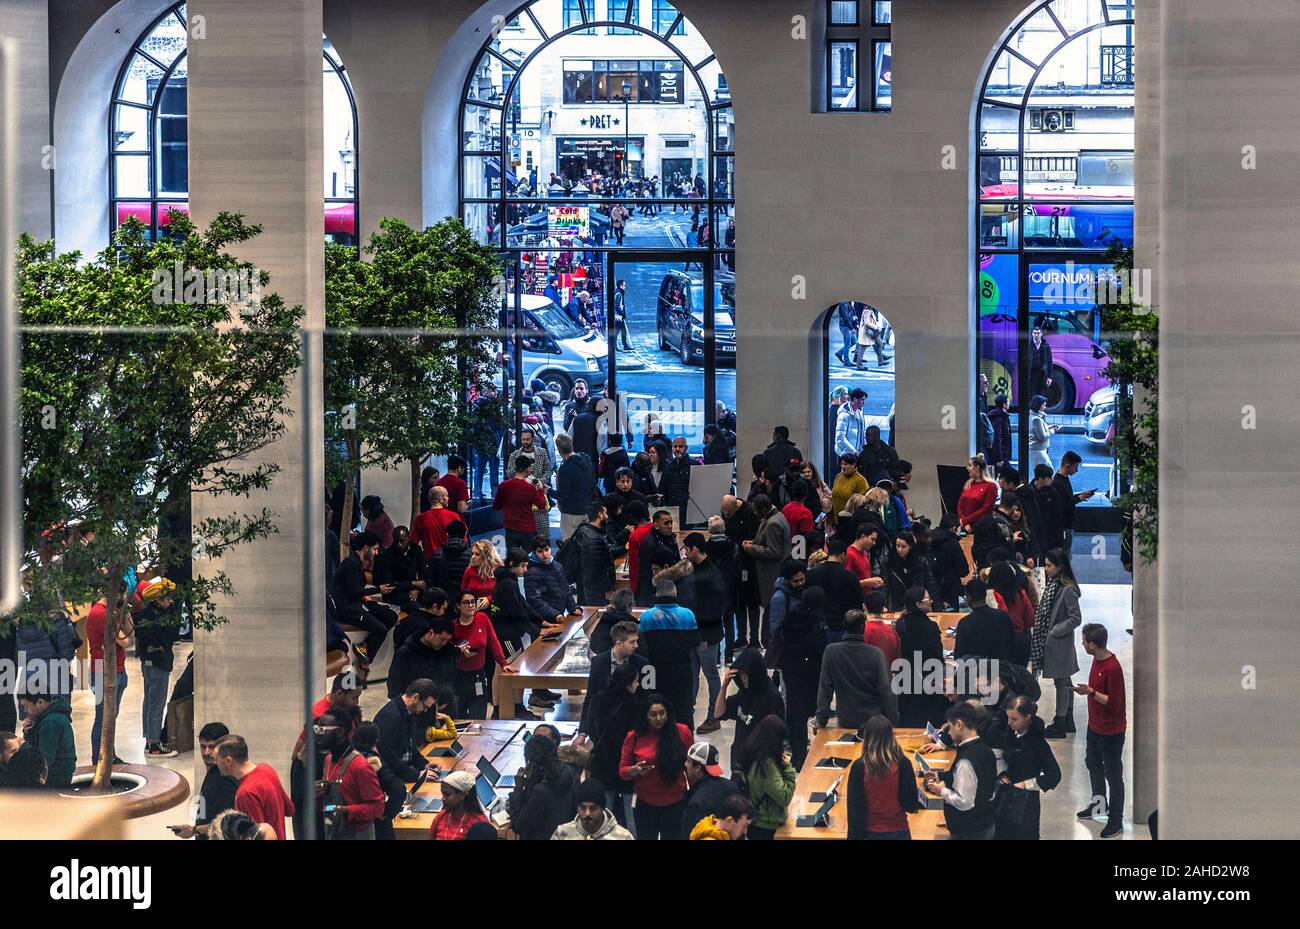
(857, 676)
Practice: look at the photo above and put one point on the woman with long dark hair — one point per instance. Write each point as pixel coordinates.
(920, 644)
(654, 759)
(1012, 599)
(1052, 646)
(614, 714)
(769, 776)
(909, 567)
(881, 787)
(1030, 769)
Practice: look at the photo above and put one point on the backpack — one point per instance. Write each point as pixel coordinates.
(74, 640)
(569, 557)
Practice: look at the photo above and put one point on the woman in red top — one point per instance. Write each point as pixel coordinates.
(654, 759)
(473, 634)
(480, 577)
(978, 496)
(460, 811)
(1012, 599)
(881, 786)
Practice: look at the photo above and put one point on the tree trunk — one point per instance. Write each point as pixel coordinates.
(108, 730)
(416, 469)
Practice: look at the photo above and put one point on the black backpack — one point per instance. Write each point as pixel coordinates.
(569, 557)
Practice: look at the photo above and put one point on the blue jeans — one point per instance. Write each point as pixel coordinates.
(707, 661)
(99, 715)
(155, 700)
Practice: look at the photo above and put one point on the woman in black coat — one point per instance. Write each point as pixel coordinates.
(619, 610)
(543, 801)
(920, 641)
(1029, 757)
(907, 569)
(614, 713)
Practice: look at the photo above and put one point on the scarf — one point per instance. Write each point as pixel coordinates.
(1038, 637)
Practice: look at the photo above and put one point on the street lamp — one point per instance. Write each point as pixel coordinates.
(627, 100)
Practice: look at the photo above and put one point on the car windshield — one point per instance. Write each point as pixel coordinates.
(554, 320)
(724, 297)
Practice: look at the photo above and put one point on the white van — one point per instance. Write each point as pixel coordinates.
(557, 351)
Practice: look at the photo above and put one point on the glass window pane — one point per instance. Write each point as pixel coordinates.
(724, 171)
(998, 225)
(724, 129)
(884, 75)
(618, 10)
(1078, 226)
(341, 223)
(131, 176)
(141, 81)
(573, 14)
(481, 176)
(844, 13)
(884, 12)
(173, 154)
(843, 63)
(1062, 300)
(130, 129)
(124, 211)
(998, 177)
(999, 301)
(166, 42)
(999, 128)
(860, 350)
(340, 146)
(665, 13)
(1077, 14)
(1009, 79)
(481, 129)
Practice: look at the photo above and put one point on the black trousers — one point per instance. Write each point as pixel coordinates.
(749, 615)
(658, 822)
(372, 619)
(517, 539)
(473, 704)
(1104, 757)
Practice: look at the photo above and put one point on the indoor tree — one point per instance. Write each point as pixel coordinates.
(411, 332)
(134, 398)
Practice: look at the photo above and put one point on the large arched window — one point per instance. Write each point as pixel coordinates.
(1054, 186)
(569, 121)
(148, 137)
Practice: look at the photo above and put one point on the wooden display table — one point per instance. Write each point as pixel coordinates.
(926, 824)
(500, 741)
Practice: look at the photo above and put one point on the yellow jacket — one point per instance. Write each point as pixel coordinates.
(434, 734)
(707, 829)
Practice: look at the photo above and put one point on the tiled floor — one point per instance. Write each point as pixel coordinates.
(1107, 604)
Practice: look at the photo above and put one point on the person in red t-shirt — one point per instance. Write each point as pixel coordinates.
(876, 631)
(978, 495)
(1107, 724)
(475, 637)
(516, 500)
(454, 483)
(96, 619)
(429, 529)
(796, 514)
(857, 558)
(260, 795)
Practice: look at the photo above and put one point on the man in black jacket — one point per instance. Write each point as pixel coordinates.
(399, 731)
(401, 567)
(704, 593)
(351, 606)
(706, 786)
(984, 632)
(1049, 510)
(843, 590)
(625, 636)
(675, 484)
(1067, 499)
(449, 566)
(716, 450)
(596, 584)
(430, 656)
(1040, 361)
(1010, 483)
(658, 549)
(948, 561)
(782, 451)
(546, 585)
(876, 456)
(741, 524)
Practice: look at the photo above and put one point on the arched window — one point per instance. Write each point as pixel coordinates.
(595, 151)
(148, 134)
(1054, 187)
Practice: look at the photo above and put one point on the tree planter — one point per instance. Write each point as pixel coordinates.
(142, 790)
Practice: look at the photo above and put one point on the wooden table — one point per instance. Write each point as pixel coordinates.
(502, 741)
(947, 623)
(926, 824)
(536, 666)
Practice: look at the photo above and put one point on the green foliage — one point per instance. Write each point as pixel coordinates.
(1135, 360)
(131, 404)
(410, 334)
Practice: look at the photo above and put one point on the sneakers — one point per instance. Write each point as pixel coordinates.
(536, 698)
(548, 694)
(1056, 730)
(154, 750)
(1112, 830)
(1097, 808)
(709, 725)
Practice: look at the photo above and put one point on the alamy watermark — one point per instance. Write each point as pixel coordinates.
(1088, 286)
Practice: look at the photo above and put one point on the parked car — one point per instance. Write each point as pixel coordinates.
(1077, 360)
(1098, 414)
(557, 351)
(679, 320)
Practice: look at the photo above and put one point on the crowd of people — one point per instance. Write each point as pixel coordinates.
(800, 601)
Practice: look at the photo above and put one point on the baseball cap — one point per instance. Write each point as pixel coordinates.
(705, 755)
(460, 780)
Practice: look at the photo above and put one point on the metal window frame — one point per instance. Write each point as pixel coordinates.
(1017, 204)
(866, 33)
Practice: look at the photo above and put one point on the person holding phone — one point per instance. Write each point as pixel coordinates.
(1067, 499)
(653, 759)
(475, 637)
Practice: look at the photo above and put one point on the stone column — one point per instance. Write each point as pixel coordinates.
(256, 138)
(24, 27)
